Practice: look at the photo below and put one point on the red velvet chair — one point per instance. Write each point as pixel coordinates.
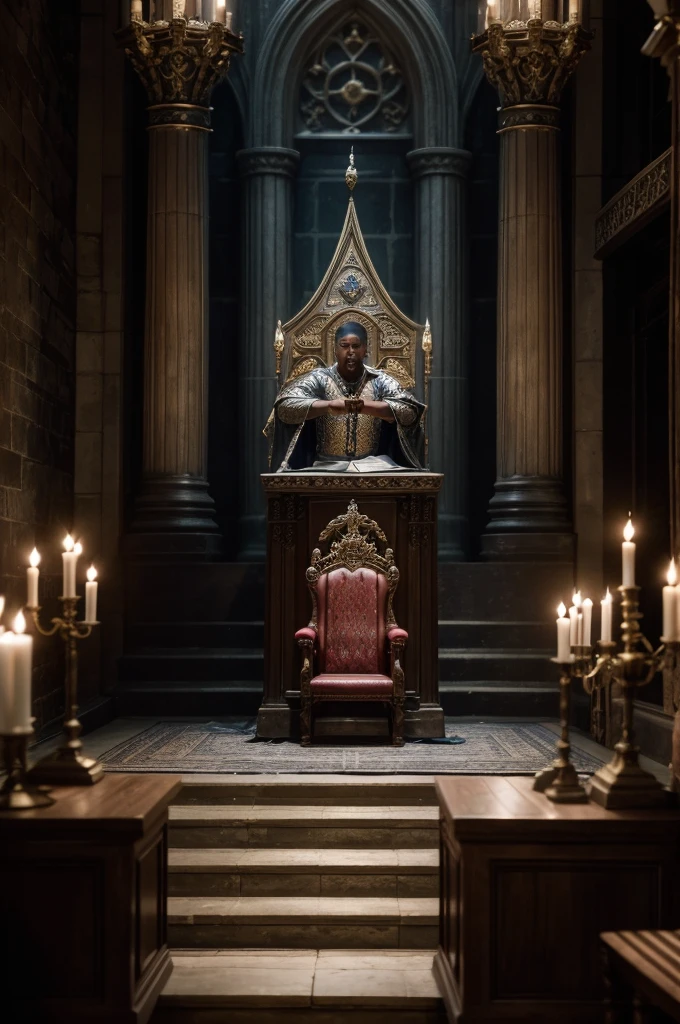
(352, 649)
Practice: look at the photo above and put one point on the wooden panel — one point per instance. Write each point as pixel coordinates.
(150, 899)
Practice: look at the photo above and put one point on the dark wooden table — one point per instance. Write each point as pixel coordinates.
(83, 904)
(527, 887)
(643, 972)
(299, 507)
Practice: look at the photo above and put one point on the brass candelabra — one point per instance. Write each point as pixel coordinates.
(560, 782)
(17, 794)
(622, 783)
(68, 765)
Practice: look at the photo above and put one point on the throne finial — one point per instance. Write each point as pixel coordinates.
(351, 175)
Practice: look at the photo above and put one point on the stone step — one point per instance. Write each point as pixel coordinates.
(306, 790)
(299, 827)
(140, 636)
(495, 634)
(468, 665)
(371, 873)
(489, 698)
(328, 986)
(298, 922)
(188, 698)
(215, 665)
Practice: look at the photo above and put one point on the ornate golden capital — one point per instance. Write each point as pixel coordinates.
(531, 63)
(179, 64)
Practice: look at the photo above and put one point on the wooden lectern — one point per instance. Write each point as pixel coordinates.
(299, 505)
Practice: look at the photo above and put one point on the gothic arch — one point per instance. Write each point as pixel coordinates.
(416, 36)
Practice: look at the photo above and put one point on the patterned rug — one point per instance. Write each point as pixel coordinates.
(493, 749)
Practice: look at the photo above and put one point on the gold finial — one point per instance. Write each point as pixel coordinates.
(351, 175)
(426, 345)
(279, 345)
(427, 337)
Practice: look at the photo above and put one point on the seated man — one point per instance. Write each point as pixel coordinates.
(347, 417)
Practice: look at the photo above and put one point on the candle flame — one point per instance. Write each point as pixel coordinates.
(587, 603)
(92, 574)
(426, 343)
(221, 3)
(629, 530)
(19, 624)
(78, 549)
(607, 597)
(561, 610)
(34, 558)
(2, 604)
(577, 599)
(68, 542)
(672, 575)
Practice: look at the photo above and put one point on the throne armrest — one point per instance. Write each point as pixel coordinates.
(305, 635)
(396, 634)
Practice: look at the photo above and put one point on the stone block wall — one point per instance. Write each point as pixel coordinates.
(38, 82)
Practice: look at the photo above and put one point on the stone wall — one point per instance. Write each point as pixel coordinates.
(38, 81)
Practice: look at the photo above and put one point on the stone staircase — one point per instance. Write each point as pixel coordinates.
(303, 897)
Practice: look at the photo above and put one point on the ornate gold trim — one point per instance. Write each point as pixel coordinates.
(404, 482)
(646, 195)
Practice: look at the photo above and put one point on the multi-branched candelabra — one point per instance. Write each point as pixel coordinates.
(68, 765)
(622, 783)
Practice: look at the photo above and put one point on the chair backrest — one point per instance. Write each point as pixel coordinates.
(352, 587)
(352, 611)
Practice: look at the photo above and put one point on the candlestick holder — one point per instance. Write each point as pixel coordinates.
(622, 783)
(560, 781)
(17, 794)
(68, 765)
(597, 683)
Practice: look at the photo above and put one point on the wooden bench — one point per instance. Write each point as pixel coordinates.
(643, 975)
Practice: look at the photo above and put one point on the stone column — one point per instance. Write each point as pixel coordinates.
(530, 66)
(440, 176)
(268, 174)
(179, 66)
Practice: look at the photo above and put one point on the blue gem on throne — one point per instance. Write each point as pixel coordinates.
(350, 289)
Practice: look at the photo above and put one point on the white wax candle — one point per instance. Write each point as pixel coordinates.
(221, 12)
(670, 605)
(91, 596)
(23, 672)
(6, 683)
(573, 625)
(587, 621)
(574, 10)
(563, 630)
(208, 10)
(228, 21)
(136, 10)
(32, 576)
(628, 556)
(606, 624)
(69, 559)
(579, 629)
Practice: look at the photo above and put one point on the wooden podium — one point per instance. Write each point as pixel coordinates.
(299, 505)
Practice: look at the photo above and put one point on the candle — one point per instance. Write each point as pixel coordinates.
(2, 611)
(574, 10)
(6, 683)
(573, 617)
(670, 605)
(228, 21)
(32, 574)
(491, 12)
(69, 560)
(606, 624)
(136, 10)
(587, 621)
(563, 629)
(221, 12)
(208, 10)
(628, 555)
(23, 670)
(91, 596)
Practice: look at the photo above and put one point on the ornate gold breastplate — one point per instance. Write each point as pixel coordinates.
(353, 436)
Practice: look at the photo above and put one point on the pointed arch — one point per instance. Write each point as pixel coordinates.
(417, 39)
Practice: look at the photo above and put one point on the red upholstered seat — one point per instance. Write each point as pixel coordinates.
(342, 683)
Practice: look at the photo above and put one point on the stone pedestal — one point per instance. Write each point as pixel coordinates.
(299, 506)
(440, 176)
(179, 66)
(268, 174)
(530, 65)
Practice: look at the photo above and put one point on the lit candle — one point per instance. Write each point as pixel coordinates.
(628, 555)
(587, 621)
(221, 12)
(69, 558)
(491, 12)
(563, 630)
(228, 21)
(2, 612)
(23, 671)
(136, 10)
(32, 575)
(606, 624)
(91, 596)
(573, 617)
(6, 683)
(670, 605)
(574, 11)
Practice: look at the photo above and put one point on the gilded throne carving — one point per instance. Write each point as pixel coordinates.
(352, 649)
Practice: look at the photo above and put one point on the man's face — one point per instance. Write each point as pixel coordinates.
(350, 353)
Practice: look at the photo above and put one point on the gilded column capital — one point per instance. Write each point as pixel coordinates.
(179, 64)
(268, 160)
(530, 64)
(438, 160)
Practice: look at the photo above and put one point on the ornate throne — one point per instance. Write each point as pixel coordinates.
(352, 649)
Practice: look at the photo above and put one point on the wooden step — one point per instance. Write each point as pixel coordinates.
(299, 827)
(343, 790)
(286, 872)
(299, 922)
(285, 986)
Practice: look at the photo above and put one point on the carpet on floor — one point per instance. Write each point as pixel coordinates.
(489, 749)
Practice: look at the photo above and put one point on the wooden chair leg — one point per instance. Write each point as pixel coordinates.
(306, 722)
(398, 723)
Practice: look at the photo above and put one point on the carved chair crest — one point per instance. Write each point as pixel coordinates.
(352, 548)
